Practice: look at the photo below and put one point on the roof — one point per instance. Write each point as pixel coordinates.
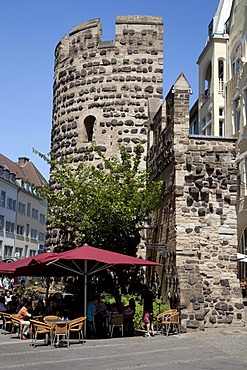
(221, 16)
(23, 169)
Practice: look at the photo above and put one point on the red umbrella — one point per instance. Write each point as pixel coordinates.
(5, 268)
(76, 261)
(25, 266)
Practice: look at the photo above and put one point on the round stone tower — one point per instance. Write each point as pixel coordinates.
(101, 88)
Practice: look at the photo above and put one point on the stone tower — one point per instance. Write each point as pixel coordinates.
(101, 88)
(196, 220)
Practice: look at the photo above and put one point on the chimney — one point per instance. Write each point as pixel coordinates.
(22, 161)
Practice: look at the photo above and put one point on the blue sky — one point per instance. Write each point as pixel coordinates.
(29, 33)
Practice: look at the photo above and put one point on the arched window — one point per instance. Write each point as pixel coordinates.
(89, 122)
(207, 79)
(221, 75)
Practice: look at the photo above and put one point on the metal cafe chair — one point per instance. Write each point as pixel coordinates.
(117, 321)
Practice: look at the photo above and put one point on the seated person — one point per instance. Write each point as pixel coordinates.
(40, 309)
(118, 304)
(8, 297)
(24, 315)
(2, 304)
(99, 317)
(91, 312)
(12, 305)
(129, 313)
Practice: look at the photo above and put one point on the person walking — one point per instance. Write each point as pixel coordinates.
(147, 299)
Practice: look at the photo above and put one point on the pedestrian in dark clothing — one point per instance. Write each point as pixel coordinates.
(147, 299)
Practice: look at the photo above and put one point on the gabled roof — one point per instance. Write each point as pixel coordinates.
(23, 169)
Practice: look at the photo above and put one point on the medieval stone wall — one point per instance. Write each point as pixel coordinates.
(197, 218)
(101, 88)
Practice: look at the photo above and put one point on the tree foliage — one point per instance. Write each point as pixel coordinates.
(100, 207)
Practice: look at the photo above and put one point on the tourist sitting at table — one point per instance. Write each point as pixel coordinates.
(2, 304)
(8, 297)
(91, 312)
(118, 305)
(12, 305)
(53, 308)
(129, 314)
(21, 304)
(99, 317)
(39, 309)
(24, 315)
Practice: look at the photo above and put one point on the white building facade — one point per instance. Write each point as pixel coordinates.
(22, 212)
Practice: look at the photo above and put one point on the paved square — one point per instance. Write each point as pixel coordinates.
(219, 349)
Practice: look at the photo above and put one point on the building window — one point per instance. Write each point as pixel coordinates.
(42, 219)
(11, 204)
(221, 128)
(207, 125)
(207, 80)
(243, 250)
(245, 108)
(194, 129)
(28, 209)
(27, 230)
(34, 234)
(41, 237)
(89, 126)
(8, 250)
(221, 76)
(25, 251)
(236, 114)
(32, 252)
(1, 222)
(35, 214)
(10, 227)
(236, 60)
(221, 122)
(6, 174)
(20, 230)
(3, 198)
(22, 208)
(18, 253)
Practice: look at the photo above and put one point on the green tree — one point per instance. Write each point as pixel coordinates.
(100, 207)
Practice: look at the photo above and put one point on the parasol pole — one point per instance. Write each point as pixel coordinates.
(85, 295)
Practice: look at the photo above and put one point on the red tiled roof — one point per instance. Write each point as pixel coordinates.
(24, 169)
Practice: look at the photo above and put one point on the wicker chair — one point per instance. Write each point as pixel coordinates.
(39, 328)
(76, 326)
(6, 320)
(161, 317)
(15, 325)
(170, 323)
(60, 329)
(48, 319)
(117, 320)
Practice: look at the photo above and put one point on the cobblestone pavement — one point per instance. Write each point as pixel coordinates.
(216, 349)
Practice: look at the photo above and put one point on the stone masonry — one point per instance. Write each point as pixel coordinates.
(196, 219)
(101, 88)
